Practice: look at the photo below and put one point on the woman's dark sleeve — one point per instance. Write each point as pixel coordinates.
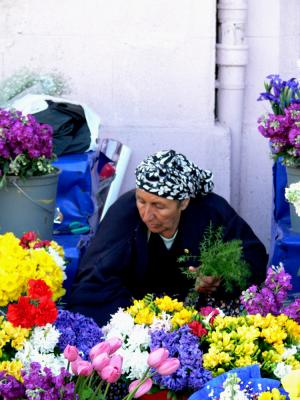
(99, 290)
(254, 251)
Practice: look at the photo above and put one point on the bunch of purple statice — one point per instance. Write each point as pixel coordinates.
(282, 126)
(26, 147)
(37, 384)
(271, 296)
(183, 344)
(77, 330)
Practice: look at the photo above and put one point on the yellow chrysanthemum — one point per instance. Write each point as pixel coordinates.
(167, 304)
(273, 395)
(144, 316)
(12, 368)
(136, 307)
(15, 335)
(18, 265)
(182, 317)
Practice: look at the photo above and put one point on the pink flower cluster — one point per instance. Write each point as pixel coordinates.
(108, 365)
(283, 131)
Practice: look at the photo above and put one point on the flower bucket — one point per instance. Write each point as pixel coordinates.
(293, 176)
(29, 205)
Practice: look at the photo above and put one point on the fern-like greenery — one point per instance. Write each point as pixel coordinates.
(220, 259)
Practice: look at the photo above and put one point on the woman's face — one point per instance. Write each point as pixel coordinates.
(160, 215)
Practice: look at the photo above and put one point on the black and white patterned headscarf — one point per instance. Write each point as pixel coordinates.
(171, 175)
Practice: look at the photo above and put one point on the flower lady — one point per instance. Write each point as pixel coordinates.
(136, 249)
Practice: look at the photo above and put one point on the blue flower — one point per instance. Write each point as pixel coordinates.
(77, 330)
(183, 344)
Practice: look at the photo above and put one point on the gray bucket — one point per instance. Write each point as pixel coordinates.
(29, 205)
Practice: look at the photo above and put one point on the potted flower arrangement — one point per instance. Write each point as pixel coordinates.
(282, 127)
(28, 181)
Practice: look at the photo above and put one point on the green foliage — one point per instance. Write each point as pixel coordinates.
(220, 259)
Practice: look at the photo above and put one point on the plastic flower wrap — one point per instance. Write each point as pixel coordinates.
(242, 384)
(282, 126)
(246, 340)
(20, 263)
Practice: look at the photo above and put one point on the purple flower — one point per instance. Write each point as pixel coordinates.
(293, 310)
(10, 388)
(271, 296)
(77, 330)
(183, 344)
(46, 385)
(25, 145)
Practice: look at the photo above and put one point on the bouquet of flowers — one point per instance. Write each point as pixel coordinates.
(157, 322)
(39, 342)
(282, 127)
(292, 195)
(25, 146)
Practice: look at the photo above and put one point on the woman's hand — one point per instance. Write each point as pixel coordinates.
(206, 284)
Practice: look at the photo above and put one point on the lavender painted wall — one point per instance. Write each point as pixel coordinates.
(148, 69)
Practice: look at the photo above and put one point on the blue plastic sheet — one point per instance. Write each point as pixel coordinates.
(285, 244)
(74, 194)
(247, 374)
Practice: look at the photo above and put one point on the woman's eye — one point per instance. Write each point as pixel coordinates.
(160, 206)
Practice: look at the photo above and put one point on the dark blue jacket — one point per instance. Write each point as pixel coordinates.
(115, 267)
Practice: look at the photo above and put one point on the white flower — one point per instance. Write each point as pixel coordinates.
(139, 337)
(282, 369)
(57, 258)
(45, 338)
(292, 195)
(289, 352)
(121, 321)
(134, 363)
(161, 322)
(40, 348)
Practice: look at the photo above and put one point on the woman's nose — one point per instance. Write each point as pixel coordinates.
(147, 213)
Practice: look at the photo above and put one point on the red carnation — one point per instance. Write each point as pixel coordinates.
(27, 238)
(22, 313)
(42, 243)
(37, 289)
(46, 312)
(197, 328)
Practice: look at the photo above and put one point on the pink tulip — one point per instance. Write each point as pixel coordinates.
(143, 389)
(74, 365)
(71, 353)
(168, 366)
(84, 368)
(115, 343)
(156, 357)
(116, 361)
(112, 372)
(102, 347)
(100, 361)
